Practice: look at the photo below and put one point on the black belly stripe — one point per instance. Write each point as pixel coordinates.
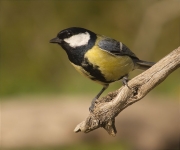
(94, 71)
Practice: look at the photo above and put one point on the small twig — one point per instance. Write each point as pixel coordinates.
(107, 108)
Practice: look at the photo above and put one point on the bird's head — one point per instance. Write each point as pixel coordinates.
(73, 38)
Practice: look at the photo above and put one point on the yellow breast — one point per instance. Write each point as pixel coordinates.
(111, 66)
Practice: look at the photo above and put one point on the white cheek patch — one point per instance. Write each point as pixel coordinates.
(78, 40)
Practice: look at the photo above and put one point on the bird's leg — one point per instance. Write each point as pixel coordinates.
(125, 81)
(91, 108)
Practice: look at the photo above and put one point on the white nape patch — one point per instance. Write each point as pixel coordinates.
(80, 39)
(121, 45)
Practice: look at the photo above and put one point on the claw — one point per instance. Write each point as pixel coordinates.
(125, 81)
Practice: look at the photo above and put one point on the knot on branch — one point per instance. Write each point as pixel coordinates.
(92, 123)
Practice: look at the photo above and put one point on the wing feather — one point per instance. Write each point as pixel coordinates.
(115, 47)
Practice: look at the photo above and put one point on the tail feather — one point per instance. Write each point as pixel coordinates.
(141, 64)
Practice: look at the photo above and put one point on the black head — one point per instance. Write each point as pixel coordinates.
(75, 41)
(73, 37)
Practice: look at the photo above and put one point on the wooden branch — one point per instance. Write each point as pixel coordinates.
(107, 108)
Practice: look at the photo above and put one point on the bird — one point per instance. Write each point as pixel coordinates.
(100, 58)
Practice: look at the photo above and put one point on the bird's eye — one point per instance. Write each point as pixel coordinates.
(69, 34)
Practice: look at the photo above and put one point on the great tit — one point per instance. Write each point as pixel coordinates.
(100, 58)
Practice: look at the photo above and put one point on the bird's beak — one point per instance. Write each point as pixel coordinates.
(55, 40)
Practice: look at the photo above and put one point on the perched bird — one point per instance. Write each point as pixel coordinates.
(100, 58)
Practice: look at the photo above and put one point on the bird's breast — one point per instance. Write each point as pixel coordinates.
(112, 67)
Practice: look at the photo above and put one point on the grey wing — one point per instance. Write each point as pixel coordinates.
(115, 47)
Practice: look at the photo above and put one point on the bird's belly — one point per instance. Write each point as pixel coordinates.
(112, 67)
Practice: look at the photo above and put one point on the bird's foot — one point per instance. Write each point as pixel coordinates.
(125, 81)
(91, 108)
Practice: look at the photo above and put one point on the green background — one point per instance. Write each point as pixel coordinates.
(31, 65)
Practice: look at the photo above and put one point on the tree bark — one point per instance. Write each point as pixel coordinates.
(108, 107)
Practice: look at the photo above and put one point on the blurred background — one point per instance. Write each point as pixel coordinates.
(43, 98)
